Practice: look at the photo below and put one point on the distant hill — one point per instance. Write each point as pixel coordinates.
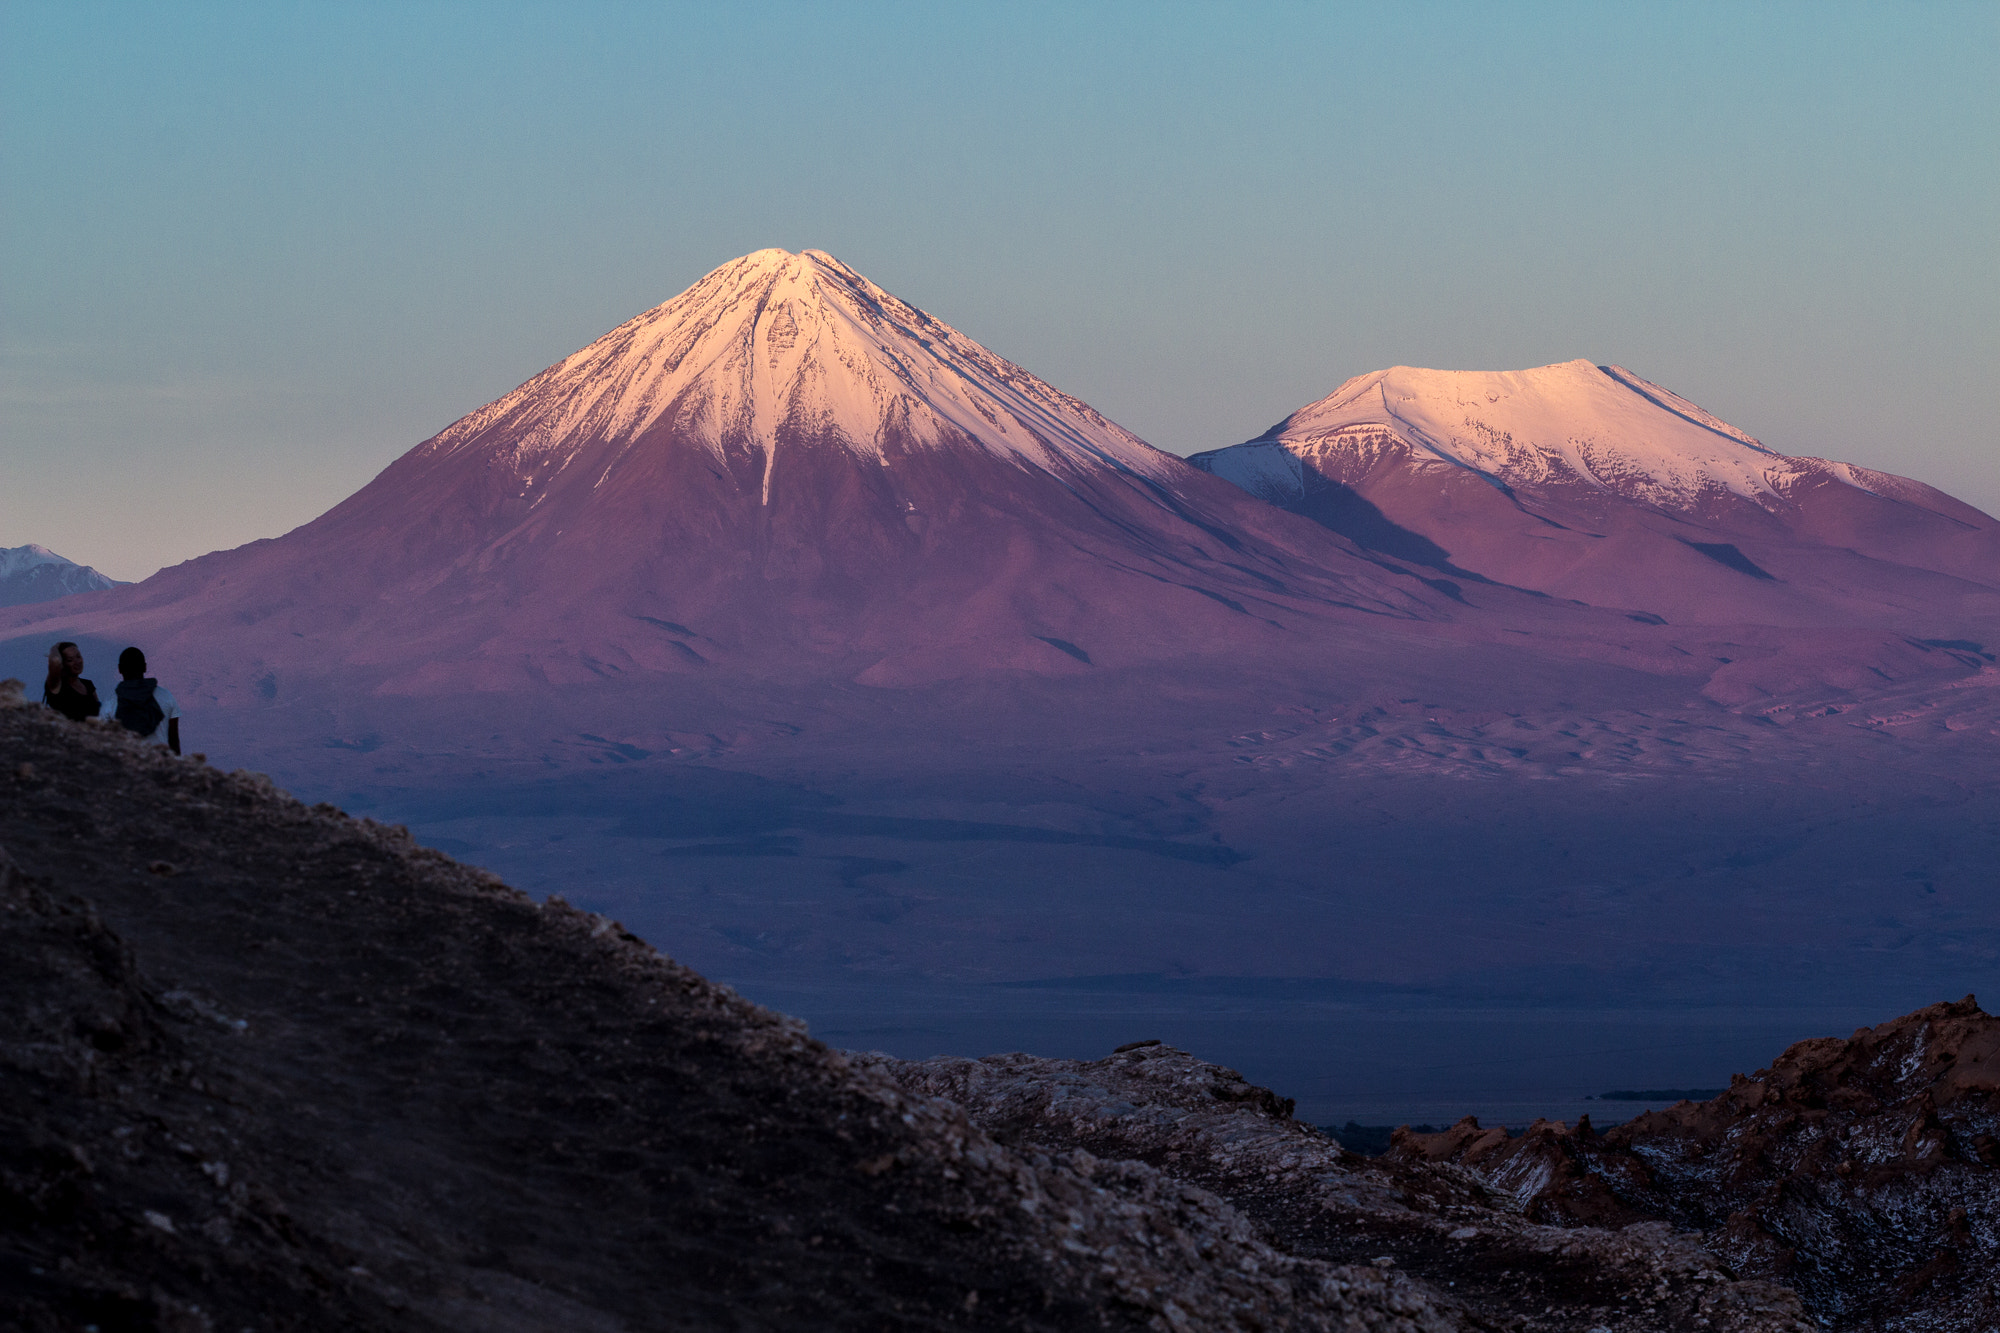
(34, 573)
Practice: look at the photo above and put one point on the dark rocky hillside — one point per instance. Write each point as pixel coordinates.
(266, 1067)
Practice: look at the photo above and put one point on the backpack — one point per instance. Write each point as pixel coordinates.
(140, 713)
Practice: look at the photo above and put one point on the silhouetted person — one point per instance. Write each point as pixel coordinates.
(66, 690)
(144, 709)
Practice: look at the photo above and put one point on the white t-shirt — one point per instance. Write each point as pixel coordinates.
(158, 735)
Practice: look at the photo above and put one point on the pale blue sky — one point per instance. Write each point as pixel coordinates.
(250, 254)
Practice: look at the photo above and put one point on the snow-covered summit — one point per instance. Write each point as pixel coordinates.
(14, 559)
(777, 344)
(1572, 424)
(34, 573)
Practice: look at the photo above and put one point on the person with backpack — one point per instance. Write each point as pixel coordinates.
(144, 709)
(66, 691)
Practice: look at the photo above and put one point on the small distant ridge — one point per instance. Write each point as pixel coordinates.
(1659, 1095)
(1368, 1140)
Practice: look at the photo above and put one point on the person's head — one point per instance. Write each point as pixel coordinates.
(67, 658)
(132, 664)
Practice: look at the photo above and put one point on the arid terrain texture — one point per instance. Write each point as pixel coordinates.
(272, 1067)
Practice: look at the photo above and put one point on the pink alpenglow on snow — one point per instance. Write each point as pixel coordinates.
(784, 473)
(778, 343)
(34, 573)
(1591, 482)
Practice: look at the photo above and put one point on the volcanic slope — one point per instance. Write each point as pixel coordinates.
(1590, 482)
(786, 470)
(271, 1068)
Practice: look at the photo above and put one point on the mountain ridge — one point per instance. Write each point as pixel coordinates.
(818, 484)
(34, 573)
(1563, 414)
(1594, 483)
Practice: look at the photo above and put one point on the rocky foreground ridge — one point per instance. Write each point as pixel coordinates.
(1858, 1171)
(268, 1067)
(1463, 1240)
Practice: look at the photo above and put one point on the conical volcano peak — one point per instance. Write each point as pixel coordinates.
(777, 347)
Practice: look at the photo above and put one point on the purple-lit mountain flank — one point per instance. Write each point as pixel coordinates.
(785, 470)
(785, 474)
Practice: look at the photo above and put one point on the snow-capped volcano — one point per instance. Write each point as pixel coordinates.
(788, 470)
(778, 344)
(1592, 482)
(1575, 424)
(34, 573)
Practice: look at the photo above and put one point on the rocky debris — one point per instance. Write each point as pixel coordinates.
(1859, 1171)
(1448, 1232)
(1537, 1169)
(316, 1076)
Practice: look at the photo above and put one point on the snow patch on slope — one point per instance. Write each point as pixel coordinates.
(1681, 407)
(1265, 468)
(801, 343)
(14, 559)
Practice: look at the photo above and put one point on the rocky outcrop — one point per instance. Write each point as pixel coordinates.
(1452, 1236)
(1859, 1171)
(270, 1067)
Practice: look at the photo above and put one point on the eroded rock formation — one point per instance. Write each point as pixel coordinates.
(1463, 1242)
(1860, 1171)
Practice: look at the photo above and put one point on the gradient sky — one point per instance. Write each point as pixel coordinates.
(248, 255)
